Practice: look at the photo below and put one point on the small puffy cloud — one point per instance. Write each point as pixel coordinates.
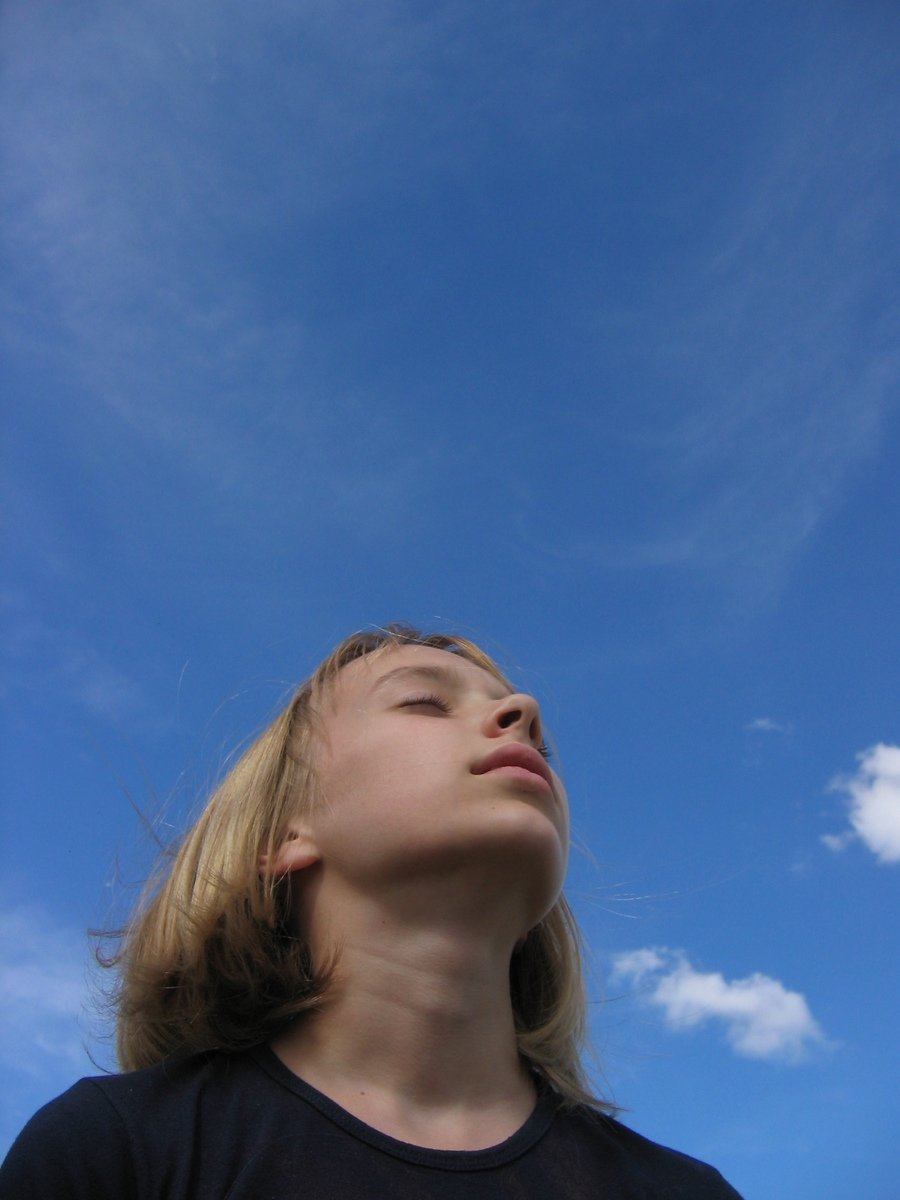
(838, 841)
(873, 798)
(636, 964)
(767, 725)
(761, 1017)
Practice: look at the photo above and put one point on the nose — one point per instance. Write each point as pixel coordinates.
(519, 713)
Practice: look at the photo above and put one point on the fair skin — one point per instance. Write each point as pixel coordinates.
(439, 841)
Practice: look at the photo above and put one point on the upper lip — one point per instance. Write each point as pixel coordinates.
(514, 754)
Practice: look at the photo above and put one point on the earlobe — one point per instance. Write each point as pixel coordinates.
(295, 853)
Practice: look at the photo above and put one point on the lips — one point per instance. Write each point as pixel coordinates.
(515, 754)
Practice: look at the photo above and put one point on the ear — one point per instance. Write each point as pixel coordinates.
(296, 852)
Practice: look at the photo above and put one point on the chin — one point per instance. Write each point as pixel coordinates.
(532, 855)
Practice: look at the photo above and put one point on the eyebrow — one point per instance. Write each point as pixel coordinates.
(445, 676)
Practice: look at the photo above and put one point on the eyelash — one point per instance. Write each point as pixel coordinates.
(428, 699)
(543, 749)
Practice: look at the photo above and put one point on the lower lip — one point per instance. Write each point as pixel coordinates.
(524, 776)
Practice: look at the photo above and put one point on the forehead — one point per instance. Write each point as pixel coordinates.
(415, 665)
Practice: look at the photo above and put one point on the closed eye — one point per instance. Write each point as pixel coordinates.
(544, 750)
(429, 700)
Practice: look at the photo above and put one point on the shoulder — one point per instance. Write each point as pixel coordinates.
(75, 1146)
(116, 1135)
(644, 1166)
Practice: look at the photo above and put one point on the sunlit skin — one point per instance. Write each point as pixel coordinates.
(422, 870)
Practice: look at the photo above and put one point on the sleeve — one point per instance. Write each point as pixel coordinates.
(74, 1148)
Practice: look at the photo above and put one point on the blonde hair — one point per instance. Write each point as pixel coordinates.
(210, 959)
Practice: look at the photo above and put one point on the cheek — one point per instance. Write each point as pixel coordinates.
(560, 815)
(364, 780)
(564, 808)
(342, 778)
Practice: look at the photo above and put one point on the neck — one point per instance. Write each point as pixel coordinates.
(417, 1036)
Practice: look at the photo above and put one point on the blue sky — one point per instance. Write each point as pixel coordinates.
(572, 327)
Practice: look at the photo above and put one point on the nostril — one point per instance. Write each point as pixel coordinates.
(510, 718)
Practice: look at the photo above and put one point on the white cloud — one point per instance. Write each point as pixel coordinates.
(40, 658)
(124, 232)
(777, 380)
(873, 796)
(635, 964)
(44, 993)
(767, 725)
(761, 1017)
(838, 841)
(46, 1040)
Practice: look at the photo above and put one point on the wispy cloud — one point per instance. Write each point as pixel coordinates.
(43, 992)
(45, 1027)
(767, 725)
(162, 166)
(873, 800)
(761, 1018)
(769, 365)
(39, 659)
(127, 193)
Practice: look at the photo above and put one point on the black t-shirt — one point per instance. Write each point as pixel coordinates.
(243, 1126)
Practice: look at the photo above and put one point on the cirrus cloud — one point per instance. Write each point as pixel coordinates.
(46, 1035)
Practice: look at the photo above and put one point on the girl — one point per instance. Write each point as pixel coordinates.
(358, 977)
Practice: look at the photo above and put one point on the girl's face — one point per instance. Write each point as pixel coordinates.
(430, 768)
